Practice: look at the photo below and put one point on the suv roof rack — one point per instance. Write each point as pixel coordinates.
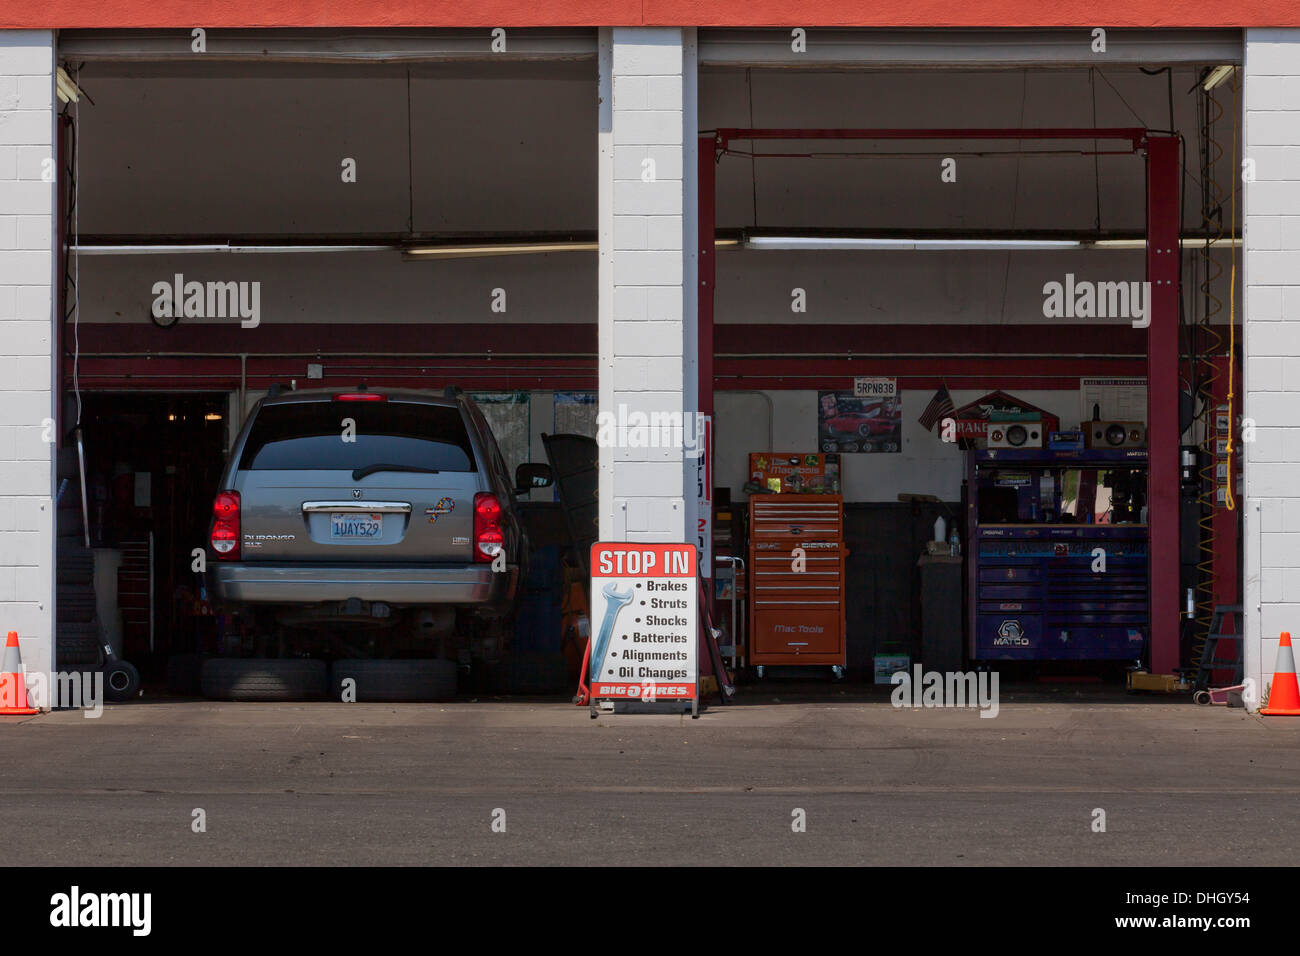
(452, 391)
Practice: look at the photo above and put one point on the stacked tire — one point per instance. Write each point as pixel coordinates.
(359, 679)
(394, 679)
(77, 635)
(264, 678)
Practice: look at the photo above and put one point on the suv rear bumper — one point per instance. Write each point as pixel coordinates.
(270, 583)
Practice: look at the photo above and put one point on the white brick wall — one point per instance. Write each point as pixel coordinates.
(27, 217)
(1272, 345)
(644, 356)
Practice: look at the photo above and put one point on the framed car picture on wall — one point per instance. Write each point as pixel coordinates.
(850, 423)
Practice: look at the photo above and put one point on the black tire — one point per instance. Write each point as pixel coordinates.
(261, 678)
(121, 681)
(536, 673)
(68, 520)
(184, 675)
(75, 563)
(76, 644)
(75, 603)
(395, 680)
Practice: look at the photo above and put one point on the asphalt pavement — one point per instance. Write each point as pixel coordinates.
(517, 782)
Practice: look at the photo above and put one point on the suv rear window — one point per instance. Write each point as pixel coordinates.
(309, 436)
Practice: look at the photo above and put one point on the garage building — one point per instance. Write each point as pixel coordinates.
(747, 220)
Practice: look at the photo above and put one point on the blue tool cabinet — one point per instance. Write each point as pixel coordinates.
(1057, 564)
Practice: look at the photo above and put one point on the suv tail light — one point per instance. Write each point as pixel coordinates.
(360, 397)
(488, 540)
(224, 537)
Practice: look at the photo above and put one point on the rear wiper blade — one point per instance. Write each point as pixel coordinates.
(360, 473)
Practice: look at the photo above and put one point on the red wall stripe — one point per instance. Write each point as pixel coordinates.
(579, 339)
(186, 14)
(549, 357)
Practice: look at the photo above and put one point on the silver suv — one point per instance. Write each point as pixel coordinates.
(363, 525)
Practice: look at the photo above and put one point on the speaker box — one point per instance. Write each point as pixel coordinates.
(1015, 435)
(1101, 435)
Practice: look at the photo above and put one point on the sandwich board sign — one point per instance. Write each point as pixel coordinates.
(645, 641)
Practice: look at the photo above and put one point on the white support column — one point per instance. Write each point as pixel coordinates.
(645, 326)
(1271, 282)
(28, 232)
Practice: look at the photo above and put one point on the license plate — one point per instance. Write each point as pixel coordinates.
(355, 527)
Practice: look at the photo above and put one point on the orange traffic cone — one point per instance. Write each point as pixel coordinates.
(13, 686)
(1284, 698)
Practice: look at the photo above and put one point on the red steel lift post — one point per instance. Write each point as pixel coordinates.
(1163, 224)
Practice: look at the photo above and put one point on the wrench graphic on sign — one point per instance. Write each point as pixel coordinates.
(614, 603)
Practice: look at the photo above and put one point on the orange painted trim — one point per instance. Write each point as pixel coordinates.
(233, 14)
(218, 14)
(973, 13)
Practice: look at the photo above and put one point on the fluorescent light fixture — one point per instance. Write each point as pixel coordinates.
(1118, 244)
(1217, 76)
(1188, 242)
(857, 244)
(495, 249)
(841, 244)
(67, 91)
(146, 249)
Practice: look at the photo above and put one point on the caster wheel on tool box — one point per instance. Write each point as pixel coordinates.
(759, 671)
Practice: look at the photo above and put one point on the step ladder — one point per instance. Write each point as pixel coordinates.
(1210, 659)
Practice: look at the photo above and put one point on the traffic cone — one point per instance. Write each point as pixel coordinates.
(1284, 698)
(13, 686)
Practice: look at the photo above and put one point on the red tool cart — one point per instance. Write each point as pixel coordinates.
(796, 575)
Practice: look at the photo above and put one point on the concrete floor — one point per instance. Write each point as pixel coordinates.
(332, 783)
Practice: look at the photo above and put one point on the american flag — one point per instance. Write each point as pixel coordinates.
(940, 407)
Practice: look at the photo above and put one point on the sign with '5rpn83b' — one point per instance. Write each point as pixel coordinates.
(643, 620)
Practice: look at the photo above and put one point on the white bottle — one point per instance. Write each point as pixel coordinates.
(940, 529)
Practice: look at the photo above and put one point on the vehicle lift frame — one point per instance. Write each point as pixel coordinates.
(1163, 258)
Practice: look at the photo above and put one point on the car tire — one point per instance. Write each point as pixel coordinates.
(69, 523)
(74, 564)
(121, 681)
(533, 673)
(394, 679)
(262, 678)
(75, 603)
(76, 645)
(184, 675)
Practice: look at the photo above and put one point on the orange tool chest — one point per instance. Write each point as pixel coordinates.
(796, 616)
